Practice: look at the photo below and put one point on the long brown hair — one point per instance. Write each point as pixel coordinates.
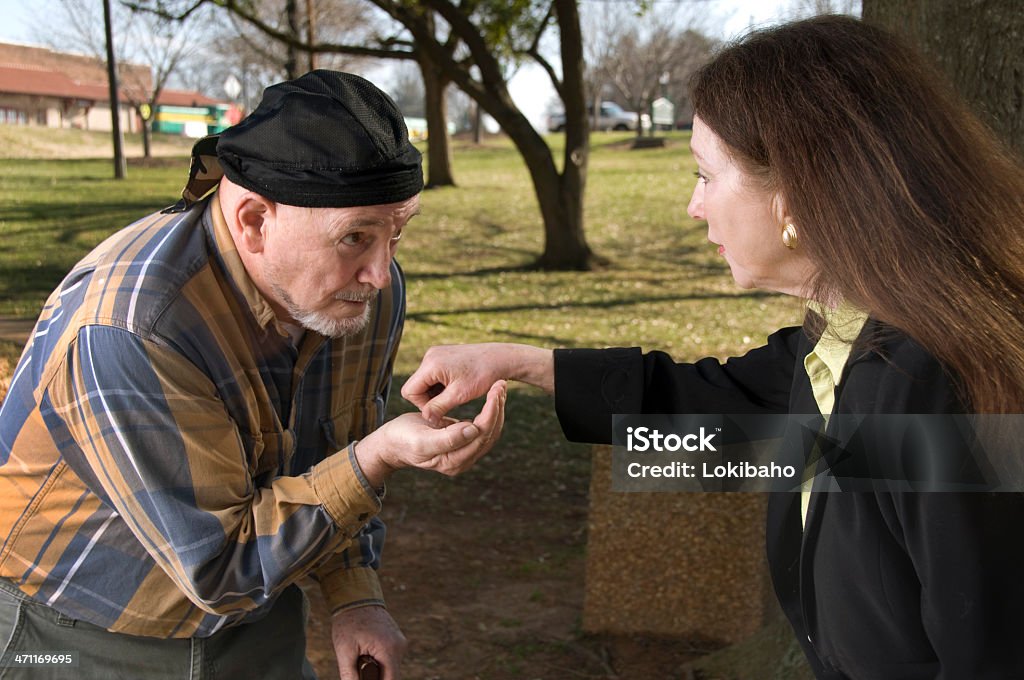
(907, 204)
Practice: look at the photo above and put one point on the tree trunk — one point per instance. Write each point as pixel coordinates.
(147, 127)
(311, 32)
(120, 166)
(291, 64)
(439, 157)
(560, 196)
(977, 44)
(561, 203)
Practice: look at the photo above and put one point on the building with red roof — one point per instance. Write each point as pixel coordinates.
(40, 86)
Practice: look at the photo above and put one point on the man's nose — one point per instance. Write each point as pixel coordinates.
(376, 271)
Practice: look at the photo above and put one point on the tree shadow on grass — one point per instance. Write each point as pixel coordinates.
(449, 318)
(66, 220)
(34, 282)
(471, 273)
(690, 257)
(594, 304)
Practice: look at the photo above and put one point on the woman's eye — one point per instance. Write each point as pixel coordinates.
(701, 177)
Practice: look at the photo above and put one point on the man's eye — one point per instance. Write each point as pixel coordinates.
(354, 239)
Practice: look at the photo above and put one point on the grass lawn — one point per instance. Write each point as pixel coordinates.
(666, 287)
(519, 518)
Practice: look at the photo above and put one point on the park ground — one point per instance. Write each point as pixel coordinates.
(485, 572)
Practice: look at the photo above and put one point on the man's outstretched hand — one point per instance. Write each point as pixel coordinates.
(447, 446)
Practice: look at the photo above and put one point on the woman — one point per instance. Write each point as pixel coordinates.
(835, 166)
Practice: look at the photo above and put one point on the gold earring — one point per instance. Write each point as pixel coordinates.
(789, 237)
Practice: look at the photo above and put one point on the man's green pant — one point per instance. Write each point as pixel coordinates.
(40, 643)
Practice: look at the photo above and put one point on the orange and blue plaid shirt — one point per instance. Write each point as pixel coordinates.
(170, 461)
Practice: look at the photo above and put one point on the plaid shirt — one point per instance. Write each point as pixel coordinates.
(166, 462)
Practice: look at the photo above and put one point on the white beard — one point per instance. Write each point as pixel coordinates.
(322, 323)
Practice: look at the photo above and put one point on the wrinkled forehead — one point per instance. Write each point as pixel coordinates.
(382, 215)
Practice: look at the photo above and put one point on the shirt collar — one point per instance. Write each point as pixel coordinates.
(234, 267)
(842, 326)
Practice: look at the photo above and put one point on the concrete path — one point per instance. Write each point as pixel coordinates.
(15, 330)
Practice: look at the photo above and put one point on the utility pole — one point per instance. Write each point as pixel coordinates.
(311, 32)
(115, 105)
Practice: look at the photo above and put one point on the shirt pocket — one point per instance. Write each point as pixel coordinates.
(268, 450)
(355, 420)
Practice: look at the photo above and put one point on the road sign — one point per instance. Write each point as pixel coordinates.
(663, 112)
(232, 88)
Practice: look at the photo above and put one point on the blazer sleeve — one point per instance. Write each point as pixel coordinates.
(592, 384)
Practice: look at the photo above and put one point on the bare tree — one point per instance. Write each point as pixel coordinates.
(477, 45)
(149, 49)
(346, 31)
(639, 58)
(243, 50)
(406, 89)
(334, 20)
(636, 78)
(810, 8)
(604, 27)
(693, 49)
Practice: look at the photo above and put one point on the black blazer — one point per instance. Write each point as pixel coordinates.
(878, 585)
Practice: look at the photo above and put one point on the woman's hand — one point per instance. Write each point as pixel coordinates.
(451, 375)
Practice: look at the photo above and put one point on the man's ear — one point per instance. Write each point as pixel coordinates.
(253, 215)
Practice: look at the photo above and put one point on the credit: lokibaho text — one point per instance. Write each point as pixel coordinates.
(652, 440)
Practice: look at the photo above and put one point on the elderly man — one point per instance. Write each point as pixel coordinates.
(196, 422)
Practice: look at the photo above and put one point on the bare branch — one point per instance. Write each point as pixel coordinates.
(158, 9)
(290, 39)
(458, 19)
(535, 45)
(552, 74)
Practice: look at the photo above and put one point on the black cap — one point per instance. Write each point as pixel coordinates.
(325, 140)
